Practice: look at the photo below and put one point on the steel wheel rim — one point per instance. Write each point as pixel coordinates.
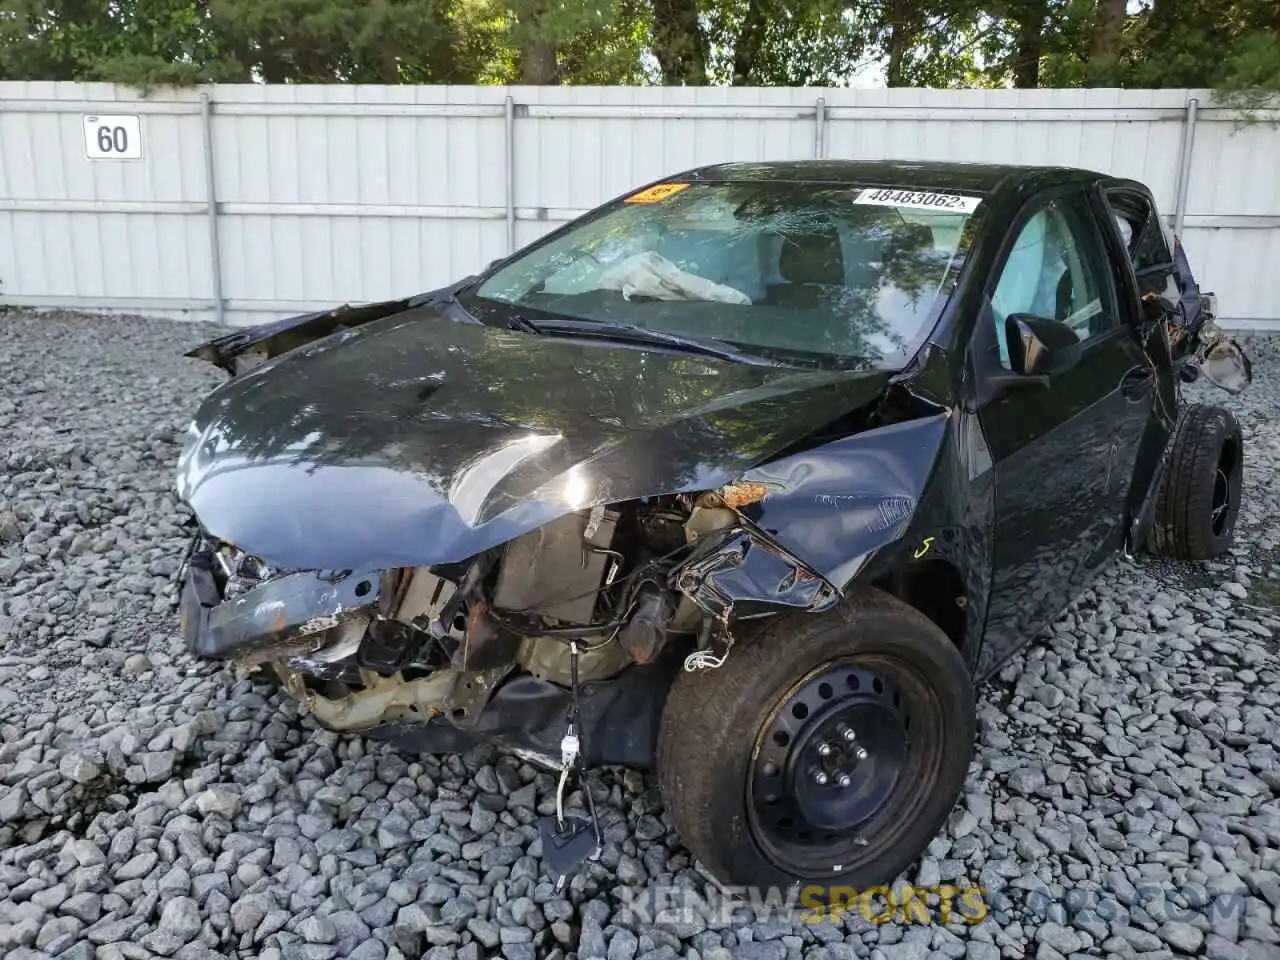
(809, 826)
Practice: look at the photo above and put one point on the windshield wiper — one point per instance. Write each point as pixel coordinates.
(708, 346)
(522, 323)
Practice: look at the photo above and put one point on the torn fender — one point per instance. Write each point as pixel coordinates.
(825, 513)
(835, 505)
(746, 575)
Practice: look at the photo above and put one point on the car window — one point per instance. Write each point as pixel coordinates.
(1054, 271)
(1126, 231)
(1149, 247)
(1149, 250)
(815, 271)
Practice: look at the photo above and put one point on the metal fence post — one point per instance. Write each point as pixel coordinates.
(820, 129)
(509, 147)
(211, 197)
(1184, 165)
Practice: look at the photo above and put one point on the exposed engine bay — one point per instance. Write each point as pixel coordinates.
(593, 593)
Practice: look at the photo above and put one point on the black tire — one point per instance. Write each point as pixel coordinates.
(717, 740)
(1199, 499)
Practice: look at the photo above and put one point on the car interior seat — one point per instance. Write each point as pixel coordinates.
(812, 268)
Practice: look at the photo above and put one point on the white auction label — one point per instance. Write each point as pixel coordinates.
(918, 199)
(113, 138)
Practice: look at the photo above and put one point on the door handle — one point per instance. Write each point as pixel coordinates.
(1136, 384)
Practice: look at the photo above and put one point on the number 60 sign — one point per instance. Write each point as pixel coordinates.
(112, 138)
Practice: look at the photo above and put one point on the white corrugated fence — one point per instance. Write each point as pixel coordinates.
(245, 203)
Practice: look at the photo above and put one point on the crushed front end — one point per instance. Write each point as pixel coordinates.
(428, 528)
(437, 659)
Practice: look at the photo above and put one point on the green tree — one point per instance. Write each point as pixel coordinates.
(556, 41)
(156, 42)
(129, 41)
(1205, 43)
(938, 44)
(1232, 46)
(679, 42)
(333, 41)
(760, 42)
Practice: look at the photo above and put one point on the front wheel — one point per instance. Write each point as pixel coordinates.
(827, 750)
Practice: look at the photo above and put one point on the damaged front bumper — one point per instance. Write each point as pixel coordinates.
(286, 617)
(312, 629)
(288, 624)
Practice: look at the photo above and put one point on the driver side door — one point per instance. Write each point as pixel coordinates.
(1061, 445)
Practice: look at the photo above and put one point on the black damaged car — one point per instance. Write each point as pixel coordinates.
(750, 475)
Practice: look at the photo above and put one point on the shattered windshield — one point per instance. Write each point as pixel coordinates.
(831, 272)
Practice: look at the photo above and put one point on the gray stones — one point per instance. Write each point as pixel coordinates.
(12, 802)
(1026, 780)
(137, 867)
(1182, 936)
(979, 950)
(249, 911)
(220, 800)
(173, 883)
(964, 822)
(180, 917)
(1056, 840)
(1063, 939)
(85, 852)
(368, 950)
(136, 665)
(78, 768)
(57, 934)
(485, 932)
(157, 766)
(630, 870)
(50, 898)
(85, 907)
(318, 929)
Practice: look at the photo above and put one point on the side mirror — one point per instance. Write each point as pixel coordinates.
(1158, 309)
(1158, 305)
(1039, 347)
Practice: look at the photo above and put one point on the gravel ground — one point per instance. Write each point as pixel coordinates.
(1123, 801)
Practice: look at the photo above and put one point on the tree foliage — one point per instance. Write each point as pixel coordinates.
(1228, 45)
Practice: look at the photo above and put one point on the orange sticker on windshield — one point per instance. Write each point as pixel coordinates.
(656, 193)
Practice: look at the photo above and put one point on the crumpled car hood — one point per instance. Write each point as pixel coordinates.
(416, 440)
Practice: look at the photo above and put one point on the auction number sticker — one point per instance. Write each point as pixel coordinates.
(920, 200)
(113, 138)
(656, 193)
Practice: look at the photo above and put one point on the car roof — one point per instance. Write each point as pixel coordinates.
(907, 174)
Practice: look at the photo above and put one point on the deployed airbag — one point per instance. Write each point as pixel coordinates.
(651, 275)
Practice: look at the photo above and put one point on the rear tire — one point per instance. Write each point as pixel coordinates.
(1199, 499)
(741, 748)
